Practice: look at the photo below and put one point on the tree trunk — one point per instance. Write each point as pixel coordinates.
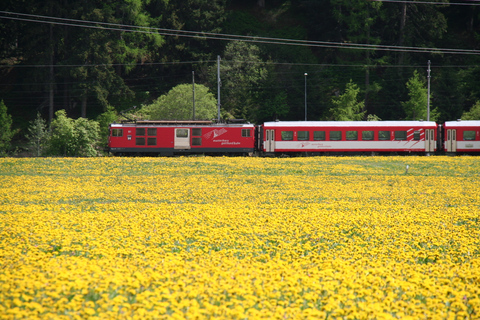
(51, 76)
(401, 38)
(84, 104)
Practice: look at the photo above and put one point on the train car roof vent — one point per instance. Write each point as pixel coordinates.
(459, 120)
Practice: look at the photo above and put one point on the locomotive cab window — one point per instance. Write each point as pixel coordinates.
(246, 133)
(367, 135)
(468, 135)
(287, 135)
(140, 132)
(335, 135)
(352, 135)
(303, 135)
(117, 132)
(318, 135)
(196, 132)
(383, 135)
(182, 133)
(400, 135)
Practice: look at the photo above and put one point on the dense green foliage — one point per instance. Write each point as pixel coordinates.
(178, 104)
(133, 52)
(6, 132)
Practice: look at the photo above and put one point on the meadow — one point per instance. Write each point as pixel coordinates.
(240, 238)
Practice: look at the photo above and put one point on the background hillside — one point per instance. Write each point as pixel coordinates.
(83, 56)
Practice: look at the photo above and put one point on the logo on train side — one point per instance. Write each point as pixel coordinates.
(215, 133)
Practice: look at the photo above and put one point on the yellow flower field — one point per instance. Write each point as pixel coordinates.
(240, 238)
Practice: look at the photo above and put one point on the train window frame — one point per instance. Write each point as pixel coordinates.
(151, 141)
(287, 135)
(246, 133)
(335, 135)
(139, 141)
(384, 135)
(416, 135)
(319, 135)
(181, 133)
(117, 132)
(351, 135)
(400, 135)
(303, 135)
(151, 131)
(368, 135)
(469, 135)
(197, 141)
(196, 132)
(139, 131)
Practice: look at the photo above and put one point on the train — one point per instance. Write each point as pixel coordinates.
(289, 138)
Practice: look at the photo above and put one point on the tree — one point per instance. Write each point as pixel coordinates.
(416, 107)
(37, 135)
(242, 73)
(6, 133)
(104, 120)
(473, 114)
(347, 107)
(72, 138)
(177, 104)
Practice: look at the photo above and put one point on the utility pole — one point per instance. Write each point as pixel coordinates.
(193, 86)
(306, 74)
(219, 83)
(428, 92)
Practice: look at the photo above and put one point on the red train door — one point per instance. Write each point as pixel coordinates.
(269, 140)
(182, 138)
(451, 140)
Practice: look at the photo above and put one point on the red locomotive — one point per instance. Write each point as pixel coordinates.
(169, 138)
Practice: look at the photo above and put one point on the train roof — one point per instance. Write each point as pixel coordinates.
(463, 123)
(180, 123)
(351, 124)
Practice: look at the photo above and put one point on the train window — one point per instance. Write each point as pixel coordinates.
(401, 135)
(416, 135)
(197, 132)
(117, 132)
(383, 135)
(352, 135)
(140, 141)
(287, 135)
(335, 135)
(303, 135)
(182, 133)
(151, 141)
(196, 141)
(318, 135)
(367, 135)
(246, 133)
(151, 131)
(468, 135)
(140, 131)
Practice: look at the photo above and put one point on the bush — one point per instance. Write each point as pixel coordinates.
(69, 137)
(6, 133)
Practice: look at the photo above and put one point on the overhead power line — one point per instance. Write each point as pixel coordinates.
(470, 3)
(222, 36)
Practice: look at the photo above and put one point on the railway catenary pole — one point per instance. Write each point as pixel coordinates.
(218, 87)
(306, 96)
(193, 93)
(428, 92)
